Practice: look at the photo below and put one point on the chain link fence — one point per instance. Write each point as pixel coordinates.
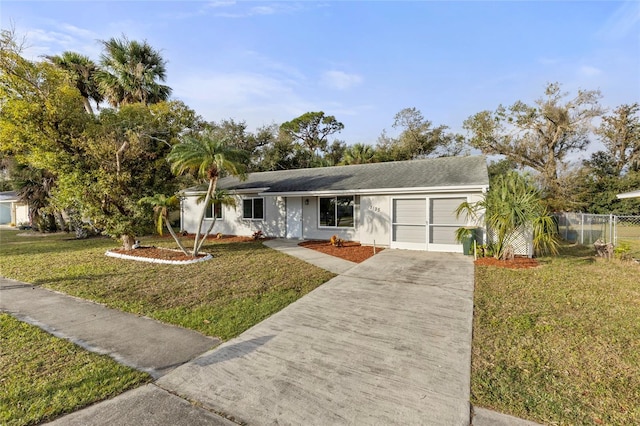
(585, 229)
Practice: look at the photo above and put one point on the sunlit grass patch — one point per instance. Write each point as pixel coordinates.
(559, 344)
(42, 377)
(244, 283)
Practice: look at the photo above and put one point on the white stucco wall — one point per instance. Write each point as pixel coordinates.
(311, 229)
(375, 220)
(372, 217)
(232, 222)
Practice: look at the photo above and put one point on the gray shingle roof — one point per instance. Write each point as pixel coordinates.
(430, 172)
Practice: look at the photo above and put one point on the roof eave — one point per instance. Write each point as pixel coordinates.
(192, 191)
(381, 191)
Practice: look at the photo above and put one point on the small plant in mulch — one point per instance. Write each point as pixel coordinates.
(258, 235)
(336, 241)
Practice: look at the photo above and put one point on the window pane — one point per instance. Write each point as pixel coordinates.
(345, 212)
(327, 212)
(247, 208)
(217, 210)
(258, 208)
(207, 213)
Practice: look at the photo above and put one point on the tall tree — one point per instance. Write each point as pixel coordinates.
(418, 139)
(620, 134)
(82, 71)
(207, 157)
(41, 119)
(359, 154)
(132, 72)
(312, 130)
(538, 136)
(334, 153)
(106, 182)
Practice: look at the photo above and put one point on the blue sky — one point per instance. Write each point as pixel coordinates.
(269, 62)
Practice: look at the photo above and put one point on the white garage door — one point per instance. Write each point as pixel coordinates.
(425, 223)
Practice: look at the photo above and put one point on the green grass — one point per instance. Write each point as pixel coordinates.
(559, 344)
(42, 377)
(243, 284)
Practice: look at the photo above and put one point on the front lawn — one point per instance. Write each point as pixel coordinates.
(243, 284)
(559, 344)
(42, 377)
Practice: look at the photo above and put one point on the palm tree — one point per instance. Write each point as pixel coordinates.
(206, 157)
(513, 205)
(162, 206)
(82, 71)
(359, 154)
(131, 73)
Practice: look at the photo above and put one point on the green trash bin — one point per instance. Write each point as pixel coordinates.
(468, 240)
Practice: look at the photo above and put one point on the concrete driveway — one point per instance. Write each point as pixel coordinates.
(387, 342)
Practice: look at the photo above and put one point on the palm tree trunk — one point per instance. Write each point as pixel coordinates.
(175, 237)
(212, 186)
(128, 241)
(87, 105)
(206, 234)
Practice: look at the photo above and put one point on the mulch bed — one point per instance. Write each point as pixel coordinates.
(157, 253)
(169, 254)
(355, 252)
(516, 263)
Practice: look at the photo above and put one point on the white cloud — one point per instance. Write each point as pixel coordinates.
(241, 11)
(41, 42)
(259, 99)
(340, 80)
(589, 71)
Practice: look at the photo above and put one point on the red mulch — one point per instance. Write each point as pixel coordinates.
(355, 252)
(168, 254)
(516, 263)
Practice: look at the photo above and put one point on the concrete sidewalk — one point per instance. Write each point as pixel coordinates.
(136, 341)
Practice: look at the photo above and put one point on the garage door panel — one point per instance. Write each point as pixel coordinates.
(409, 234)
(442, 235)
(443, 211)
(410, 211)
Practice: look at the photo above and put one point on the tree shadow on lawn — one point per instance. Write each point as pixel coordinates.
(67, 245)
(213, 248)
(84, 277)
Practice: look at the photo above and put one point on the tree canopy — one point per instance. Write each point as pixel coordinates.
(131, 72)
(97, 165)
(538, 136)
(418, 139)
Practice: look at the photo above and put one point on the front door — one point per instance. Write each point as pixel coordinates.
(294, 218)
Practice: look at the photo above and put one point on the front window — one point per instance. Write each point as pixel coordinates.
(215, 211)
(336, 212)
(253, 208)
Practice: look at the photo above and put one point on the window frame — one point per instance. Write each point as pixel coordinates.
(335, 212)
(210, 214)
(253, 208)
